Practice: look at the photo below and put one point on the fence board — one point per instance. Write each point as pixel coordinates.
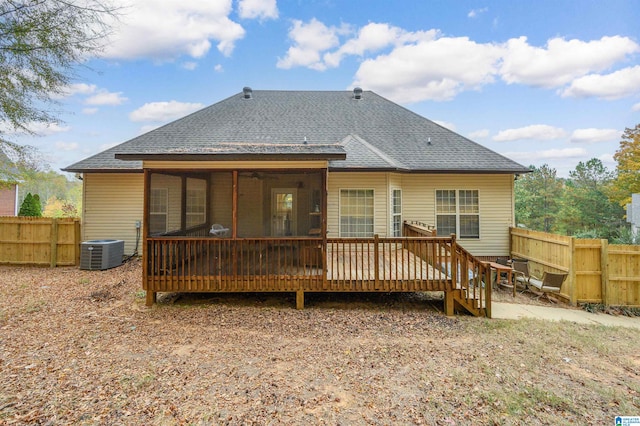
(40, 241)
(598, 272)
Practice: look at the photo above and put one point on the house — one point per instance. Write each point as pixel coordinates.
(300, 179)
(633, 214)
(8, 199)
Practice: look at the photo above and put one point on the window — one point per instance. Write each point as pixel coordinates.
(356, 212)
(396, 213)
(158, 210)
(458, 212)
(195, 207)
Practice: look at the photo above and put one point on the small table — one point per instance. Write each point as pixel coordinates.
(499, 268)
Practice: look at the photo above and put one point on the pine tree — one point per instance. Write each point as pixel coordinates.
(30, 207)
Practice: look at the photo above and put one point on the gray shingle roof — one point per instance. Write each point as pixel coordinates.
(374, 132)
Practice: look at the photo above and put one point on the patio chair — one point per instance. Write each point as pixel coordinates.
(551, 282)
(521, 272)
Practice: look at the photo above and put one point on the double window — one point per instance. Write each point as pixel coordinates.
(356, 212)
(458, 212)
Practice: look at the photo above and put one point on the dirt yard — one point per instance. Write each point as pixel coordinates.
(80, 347)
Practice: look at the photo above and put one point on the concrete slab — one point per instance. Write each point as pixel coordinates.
(516, 311)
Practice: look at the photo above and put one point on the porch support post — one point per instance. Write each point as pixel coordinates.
(234, 206)
(151, 295)
(300, 299)
(323, 226)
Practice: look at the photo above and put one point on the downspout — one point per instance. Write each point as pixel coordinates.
(15, 205)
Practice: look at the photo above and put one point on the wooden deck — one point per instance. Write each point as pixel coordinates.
(406, 264)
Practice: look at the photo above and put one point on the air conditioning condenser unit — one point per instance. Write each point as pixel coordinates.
(101, 254)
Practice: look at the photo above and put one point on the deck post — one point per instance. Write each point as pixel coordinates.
(300, 299)
(151, 298)
(448, 303)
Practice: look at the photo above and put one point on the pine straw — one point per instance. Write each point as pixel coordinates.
(79, 347)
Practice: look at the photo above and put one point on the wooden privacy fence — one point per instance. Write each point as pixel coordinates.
(598, 272)
(41, 241)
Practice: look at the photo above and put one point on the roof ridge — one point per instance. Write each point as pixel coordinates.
(382, 155)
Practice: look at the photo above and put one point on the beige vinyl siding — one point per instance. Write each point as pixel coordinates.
(496, 206)
(113, 202)
(355, 180)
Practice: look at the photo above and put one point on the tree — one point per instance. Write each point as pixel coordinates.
(30, 207)
(586, 206)
(628, 168)
(538, 198)
(41, 43)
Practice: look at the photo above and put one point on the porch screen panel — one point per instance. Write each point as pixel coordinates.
(356, 212)
(196, 202)
(158, 204)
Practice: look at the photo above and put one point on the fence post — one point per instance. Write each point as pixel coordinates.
(604, 272)
(54, 242)
(573, 297)
(77, 237)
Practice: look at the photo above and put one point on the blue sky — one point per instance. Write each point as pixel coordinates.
(552, 82)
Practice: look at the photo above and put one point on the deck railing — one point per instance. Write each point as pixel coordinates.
(402, 264)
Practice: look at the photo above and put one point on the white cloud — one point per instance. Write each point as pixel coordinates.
(75, 89)
(258, 9)
(619, 84)
(608, 160)
(475, 12)
(550, 154)
(172, 28)
(479, 134)
(446, 124)
(66, 146)
(104, 97)
(218, 68)
(309, 40)
(561, 61)
(535, 131)
(374, 37)
(190, 66)
(89, 111)
(636, 107)
(43, 129)
(163, 111)
(592, 135)
(430, 69)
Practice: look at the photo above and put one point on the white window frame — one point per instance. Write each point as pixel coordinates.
(396, 215)
(162, 194)
(356, 214)
(459, 212)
